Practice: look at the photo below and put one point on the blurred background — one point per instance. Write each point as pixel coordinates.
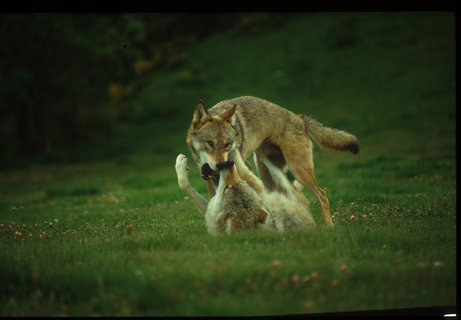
(79, 87)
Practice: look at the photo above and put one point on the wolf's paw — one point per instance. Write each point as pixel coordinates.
(182, 164)
(182, 170)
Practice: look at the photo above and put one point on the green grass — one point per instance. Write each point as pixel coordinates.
(387, 78)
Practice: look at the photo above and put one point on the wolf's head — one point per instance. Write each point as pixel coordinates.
(211, 138)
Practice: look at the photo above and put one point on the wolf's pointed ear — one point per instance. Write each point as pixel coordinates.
(262, 216)
(201, 113)
(229, 115)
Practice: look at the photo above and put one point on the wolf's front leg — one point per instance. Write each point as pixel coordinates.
(245, 173)
(182, 170)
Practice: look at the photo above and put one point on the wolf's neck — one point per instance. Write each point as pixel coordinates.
(228, 177)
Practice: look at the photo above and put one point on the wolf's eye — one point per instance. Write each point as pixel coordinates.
(228, 145)
(210, 143)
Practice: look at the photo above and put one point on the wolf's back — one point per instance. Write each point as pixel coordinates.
(329, 137)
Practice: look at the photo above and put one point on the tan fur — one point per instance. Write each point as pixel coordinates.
(234, 129)
(286, 214)
(236, 206)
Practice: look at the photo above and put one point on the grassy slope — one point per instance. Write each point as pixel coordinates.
(387, 78)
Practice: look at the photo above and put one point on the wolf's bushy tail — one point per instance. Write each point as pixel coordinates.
(329, 137)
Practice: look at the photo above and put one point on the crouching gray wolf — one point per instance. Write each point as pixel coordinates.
(234, 129)
(238, 206)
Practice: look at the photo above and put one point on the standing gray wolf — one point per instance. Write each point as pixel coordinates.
(237, 206)
(234, 129)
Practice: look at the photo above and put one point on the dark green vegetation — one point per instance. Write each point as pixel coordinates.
(123, 240)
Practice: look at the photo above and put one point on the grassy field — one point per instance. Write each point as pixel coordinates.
(115, 235)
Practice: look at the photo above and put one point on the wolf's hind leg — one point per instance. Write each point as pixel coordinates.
(264, 174)
(298, 155)
(278, 177)
(182, 169)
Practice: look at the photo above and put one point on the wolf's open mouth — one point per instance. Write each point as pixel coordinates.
(207, 172)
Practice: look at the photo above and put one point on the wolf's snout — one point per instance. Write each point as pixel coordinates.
(224, 165)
